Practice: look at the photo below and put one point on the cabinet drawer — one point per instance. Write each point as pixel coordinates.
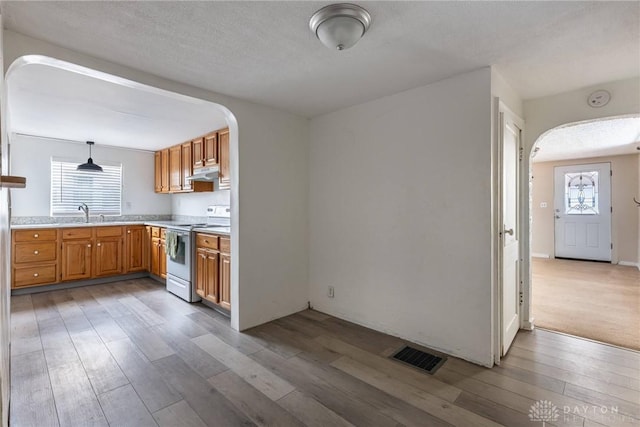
(76, 233)
(225, 245)
(108, 231)
(155, 231)
(34, 235)
(27, 276)
(206, 241)
(163, 233)
(35, 252)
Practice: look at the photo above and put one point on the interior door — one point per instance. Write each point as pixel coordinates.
(510, 260)
(582, 204)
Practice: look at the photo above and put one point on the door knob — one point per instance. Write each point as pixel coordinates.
(557, 216)
(509, 231)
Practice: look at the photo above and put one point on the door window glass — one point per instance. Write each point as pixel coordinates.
(581, 193)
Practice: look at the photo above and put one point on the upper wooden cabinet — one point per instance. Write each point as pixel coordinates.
(223, 158)
(211, 149)
(175, 168)
(187, 165)
(158, 172)
(164, 171)
(198, 152)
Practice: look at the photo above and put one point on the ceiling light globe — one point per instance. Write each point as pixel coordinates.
(341, 32)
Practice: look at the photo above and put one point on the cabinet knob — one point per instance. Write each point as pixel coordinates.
(35, 236)
(35, 274)
(99, 244)
(206, 241)
(36, 252)
(89, 245)
(128, 231)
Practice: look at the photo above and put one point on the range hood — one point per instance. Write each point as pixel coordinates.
(207, 174)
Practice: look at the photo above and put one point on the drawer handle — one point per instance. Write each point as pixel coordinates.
(89, 245)
(35, 236)
(35, 274)
(36, 252)
(128, 231)
(99, 244)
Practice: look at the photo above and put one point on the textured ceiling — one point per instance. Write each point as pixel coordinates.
(591, 139)
(55, 103)
(264, 51)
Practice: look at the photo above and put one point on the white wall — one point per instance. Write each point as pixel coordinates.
(31, 158)
(400, 215)
(269, 158)
(195, 204)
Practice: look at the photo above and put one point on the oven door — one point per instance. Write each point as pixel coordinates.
(180, 264)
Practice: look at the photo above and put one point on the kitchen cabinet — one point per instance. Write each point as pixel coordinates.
(77, 253)
(158, 261)
(91, 252)
(223, 158)
(211, 149)
(213, 269)
(135, 249)
(187, 165)
(158, 172)
(198, 152)
(35, 256)
(175, 168)
(225, 273)
(164, 170)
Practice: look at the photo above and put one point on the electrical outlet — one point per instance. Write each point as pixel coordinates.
(543, 204)
(330, 293)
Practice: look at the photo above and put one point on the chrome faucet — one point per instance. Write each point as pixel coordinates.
(84, 208)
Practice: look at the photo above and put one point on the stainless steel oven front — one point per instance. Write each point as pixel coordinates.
(179, 267)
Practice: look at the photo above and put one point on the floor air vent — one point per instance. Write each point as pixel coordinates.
(419, 359)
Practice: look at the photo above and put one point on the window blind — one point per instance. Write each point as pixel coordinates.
(101, 191)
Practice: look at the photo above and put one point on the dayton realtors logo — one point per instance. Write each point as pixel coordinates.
(544, 411)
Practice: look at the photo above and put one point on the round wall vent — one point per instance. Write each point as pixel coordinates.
(599, 98)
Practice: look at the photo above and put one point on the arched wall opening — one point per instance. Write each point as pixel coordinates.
(230, 119)
(590, 153)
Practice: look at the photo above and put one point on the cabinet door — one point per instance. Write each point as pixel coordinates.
(212, 277)
(76, 259)
(187, 166)
(135, 253)
(158, 172)
(223, 158)
(155, 256)
(197, 146)
(201, 272)
(163, 260)
(108, 256)
(175, 168)
(164, 170)
(211, 149)
(225, 281)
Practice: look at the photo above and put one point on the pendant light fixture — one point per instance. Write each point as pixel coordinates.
(89, 166)
(340, 26)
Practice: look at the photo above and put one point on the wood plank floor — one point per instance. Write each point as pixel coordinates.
(593, 300)
(131, 354)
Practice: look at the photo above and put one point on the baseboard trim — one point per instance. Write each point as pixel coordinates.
(539, 255)
(528, 324)
(629, 264)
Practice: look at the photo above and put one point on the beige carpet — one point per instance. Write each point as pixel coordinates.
(589, 299)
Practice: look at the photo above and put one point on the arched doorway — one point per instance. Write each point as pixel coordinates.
(577, 209)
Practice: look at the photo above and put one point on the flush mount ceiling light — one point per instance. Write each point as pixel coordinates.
(340, 26)
(89, 166)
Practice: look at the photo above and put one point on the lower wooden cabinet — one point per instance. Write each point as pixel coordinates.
(135, 256)
(213, 269)
(35, 257)
(108, 256)
(157, 254)
(76, 259)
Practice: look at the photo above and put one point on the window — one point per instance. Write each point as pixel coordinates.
(101, 191)
(581, 193)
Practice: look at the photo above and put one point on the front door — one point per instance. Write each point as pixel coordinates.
(511, 132)
(582, 204)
